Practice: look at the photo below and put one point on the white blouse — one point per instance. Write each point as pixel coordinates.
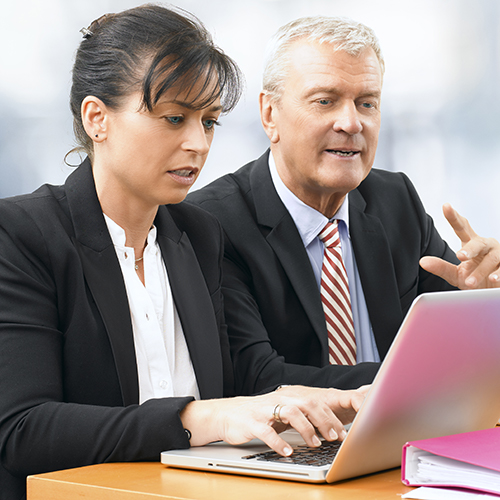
(163, 362)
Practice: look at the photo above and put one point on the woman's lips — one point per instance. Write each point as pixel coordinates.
(184, 175)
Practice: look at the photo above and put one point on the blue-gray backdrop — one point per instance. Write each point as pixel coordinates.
(440, 102)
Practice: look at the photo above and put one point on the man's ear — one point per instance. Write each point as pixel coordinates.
(268, 113)
(95, 118)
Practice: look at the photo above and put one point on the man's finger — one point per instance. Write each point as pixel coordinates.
(459, 224)
(476, 247)
(440, 268)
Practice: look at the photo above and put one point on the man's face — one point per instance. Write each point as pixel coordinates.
(324, 129)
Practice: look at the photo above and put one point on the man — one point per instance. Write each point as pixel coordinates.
(320, 107)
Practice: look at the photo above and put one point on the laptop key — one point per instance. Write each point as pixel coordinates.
(303, 455)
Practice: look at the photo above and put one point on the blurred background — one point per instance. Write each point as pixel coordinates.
(440, 109)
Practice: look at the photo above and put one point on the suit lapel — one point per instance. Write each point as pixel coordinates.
(192, 300)
(376, 271)
(102, 273)
(371, 249)
(286, 242)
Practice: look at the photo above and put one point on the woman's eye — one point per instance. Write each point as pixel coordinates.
(210, 124)
(175, 120)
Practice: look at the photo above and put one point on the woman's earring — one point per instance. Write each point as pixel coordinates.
(97, 135)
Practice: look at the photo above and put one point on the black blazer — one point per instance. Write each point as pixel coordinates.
(68, 378)
(273, 308)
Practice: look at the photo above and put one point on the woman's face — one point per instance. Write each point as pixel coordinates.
(153, 158)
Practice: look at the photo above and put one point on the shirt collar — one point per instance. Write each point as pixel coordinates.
(308, 220)
(118, 236)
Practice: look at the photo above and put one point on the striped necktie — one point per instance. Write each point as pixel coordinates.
(336, 299)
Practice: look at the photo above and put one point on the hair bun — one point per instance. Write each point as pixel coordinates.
(86, 33)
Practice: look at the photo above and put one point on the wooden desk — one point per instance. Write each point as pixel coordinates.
(148, 481)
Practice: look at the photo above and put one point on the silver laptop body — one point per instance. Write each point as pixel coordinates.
(441, 376)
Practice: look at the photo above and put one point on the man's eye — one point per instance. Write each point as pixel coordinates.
(324, 102)
(367, 105)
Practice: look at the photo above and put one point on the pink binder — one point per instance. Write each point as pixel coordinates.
(480, 448)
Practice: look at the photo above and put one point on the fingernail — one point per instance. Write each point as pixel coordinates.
(316, 441)
(470, 281)
(464, 253)
(495, 277)
(343, 434)
(287, 451)
(333, 435)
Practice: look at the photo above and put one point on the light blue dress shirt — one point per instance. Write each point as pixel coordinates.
(309, 223)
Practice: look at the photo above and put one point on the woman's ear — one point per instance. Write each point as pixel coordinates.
(268, 112)
(95, 118)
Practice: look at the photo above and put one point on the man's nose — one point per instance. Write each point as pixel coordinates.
(347, 119)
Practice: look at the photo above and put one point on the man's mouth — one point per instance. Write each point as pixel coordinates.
(342, 153)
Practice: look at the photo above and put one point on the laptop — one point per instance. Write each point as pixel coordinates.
(441, 376)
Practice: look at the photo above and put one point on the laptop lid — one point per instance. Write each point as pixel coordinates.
(441, 376)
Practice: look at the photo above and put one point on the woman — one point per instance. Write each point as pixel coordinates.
(112, 342)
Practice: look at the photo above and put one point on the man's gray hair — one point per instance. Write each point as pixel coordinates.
(343, 33)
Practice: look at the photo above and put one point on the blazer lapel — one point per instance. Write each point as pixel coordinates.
(376, 271)
(371, 249)
(103, 275)
(192, 299)
(286, 242)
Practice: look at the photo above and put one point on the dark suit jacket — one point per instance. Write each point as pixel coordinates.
(68, 379)
(273, 309)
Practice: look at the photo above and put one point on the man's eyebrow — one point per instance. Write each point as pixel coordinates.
(318, 90)
(334, 91)
(375, 93)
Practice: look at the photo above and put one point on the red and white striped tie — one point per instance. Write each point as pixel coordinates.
(336, 299)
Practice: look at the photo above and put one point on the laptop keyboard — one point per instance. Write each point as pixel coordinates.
(303, 455)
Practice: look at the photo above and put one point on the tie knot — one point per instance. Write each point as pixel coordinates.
(330, 235)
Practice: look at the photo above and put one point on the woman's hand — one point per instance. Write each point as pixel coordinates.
(306, 409)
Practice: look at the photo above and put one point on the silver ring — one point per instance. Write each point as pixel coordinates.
(276, 414)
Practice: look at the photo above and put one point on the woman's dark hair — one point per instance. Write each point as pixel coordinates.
(149, 49)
